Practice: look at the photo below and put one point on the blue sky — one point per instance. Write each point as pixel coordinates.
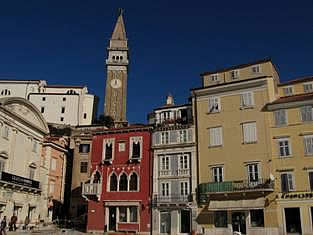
(171, 43)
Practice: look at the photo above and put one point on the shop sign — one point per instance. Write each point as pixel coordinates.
(15, 179)
(297, 195)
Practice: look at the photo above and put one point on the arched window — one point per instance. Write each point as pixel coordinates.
(133, 182)
(123, 182)
(113, 182)
(113, 57)
(121, 58)
(96, 178)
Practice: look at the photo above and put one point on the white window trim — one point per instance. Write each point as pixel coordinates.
(223, 172)
(287, 88)
(179, 160)
(107, 141)
(131, 141)
(169, 188)
(308, 83)
(211, 108)
(286, 117)
(307, 137)
(235, 71)
(221, 137)
(169, 163)
(256, 66)
(180, 188)
(258, 169)
(293, 180)
(242, 105)
(214, 77)
(243, 135)
(289, 147)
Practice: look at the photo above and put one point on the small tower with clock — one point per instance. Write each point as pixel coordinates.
(117, 73)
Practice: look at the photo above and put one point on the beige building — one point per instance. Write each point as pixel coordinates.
(22, 188)
(234, 149)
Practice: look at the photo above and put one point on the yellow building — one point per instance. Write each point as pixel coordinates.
(292, 158)
(236, 150)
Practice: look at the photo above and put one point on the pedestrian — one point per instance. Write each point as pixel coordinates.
(3, 226)
(26, 222)
(13, 222)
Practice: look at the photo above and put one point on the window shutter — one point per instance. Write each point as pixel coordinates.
(242, 102)
(156, 138)
(173, 136)
(211, 102)
(290, 182)
(284, 183)
(303, 113)
(189, 135)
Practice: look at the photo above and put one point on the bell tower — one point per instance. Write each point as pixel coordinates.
(117, 73)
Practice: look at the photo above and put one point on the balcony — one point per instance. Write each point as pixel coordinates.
(172, 198)
(240, 186)
(19, 182)
(91, 191)
(174, 173)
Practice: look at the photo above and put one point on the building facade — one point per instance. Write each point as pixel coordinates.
(174, 170)
(118, 190)
(117, 73)
(292, 150)
(22, 129)
(60, 104)
(236, 180)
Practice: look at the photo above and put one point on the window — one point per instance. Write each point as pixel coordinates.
(253, 172)
(214, 105)
(113, 182)
(108, 149)
(182, 136)
(293, 220)
(63, 110)
(5, 92)
(2, 165)
(311, 180)
(35, 146)
(85, 115)
(184, 162)
(83, 167)
(53, 164)
(284, 147)
(185, 221)
(84, 148)
(43, 98)
(133, 182)
(280, 117)
(135, 150)
(5, 132)
(184, 188)
(214, 77)
(257, 218)
(165, 222)
(306, 113)
(164, 137)
(288, 90)
(123, 182)
(165, 163)
(249, 132)
(234, 74)
(218, 174)
(121, 147)
(51, 186)
(133, 212)
(308, 87)
(220, 219)
(123, 214)
(287, 182)
(61, 119)
(42, 109)
(246, 99)
(165, 189)
(256, 69)
(64, 99)
(308, 144)
(216, 138)
(32, 173)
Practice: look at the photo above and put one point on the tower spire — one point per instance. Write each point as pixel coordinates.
(119, 32)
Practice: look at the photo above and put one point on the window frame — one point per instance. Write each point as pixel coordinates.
(110, 141)
(217, 173)
(214, 104)
(234, 74)
(84, 165)
(258, 70)
(214, 77)
(251, 218)
(184, 188)
(165, 137)
(167, 190)
(308, 84)
(137, 182)
(304, 117)
(277, 115)
(217, 140)
(82, 147)
(184, 161)
(245, 139)
(132, 140)
(289, 173)
(167, 163)
(250, 104)
(256, 171)
(306, 152)
(287, 89)
(280, 147)
(217, 215)
(119, 182)
(110, 182)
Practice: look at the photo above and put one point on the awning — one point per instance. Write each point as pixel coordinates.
(237, 204)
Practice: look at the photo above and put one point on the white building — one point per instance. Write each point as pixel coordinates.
(60, 104)
(174, 170)
(22, 131)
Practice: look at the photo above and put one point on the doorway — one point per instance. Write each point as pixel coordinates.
(112, 218)
(185, 219)
(293, 220)
(239, 222)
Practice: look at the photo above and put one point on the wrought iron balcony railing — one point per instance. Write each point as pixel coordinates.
(236, 186)
(90, 189)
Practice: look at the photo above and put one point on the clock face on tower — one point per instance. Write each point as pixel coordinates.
(116, 83)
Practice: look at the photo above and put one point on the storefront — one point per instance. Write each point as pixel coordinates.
(295, 210)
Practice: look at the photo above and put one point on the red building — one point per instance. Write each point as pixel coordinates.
(120, 184)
